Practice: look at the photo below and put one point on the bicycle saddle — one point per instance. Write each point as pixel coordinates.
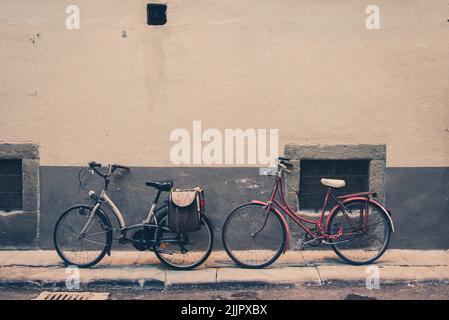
(160, 185)
(333, 183)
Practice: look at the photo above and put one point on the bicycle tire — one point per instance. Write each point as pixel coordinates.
(234, 258)
(344, 257)
(206, 221)
(103, 252)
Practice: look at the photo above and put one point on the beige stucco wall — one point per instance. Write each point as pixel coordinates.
(309, 68)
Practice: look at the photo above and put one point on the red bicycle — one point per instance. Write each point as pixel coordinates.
(357, 228)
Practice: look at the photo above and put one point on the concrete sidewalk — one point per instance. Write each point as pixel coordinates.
(43, 269)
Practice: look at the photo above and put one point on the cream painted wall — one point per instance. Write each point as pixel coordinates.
(309, 68)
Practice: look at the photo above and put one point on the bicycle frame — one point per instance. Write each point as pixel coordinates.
(282, 207)
(117, 213)
(286, 209)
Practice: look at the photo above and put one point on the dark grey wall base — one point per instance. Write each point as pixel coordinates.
(225, 188)
(418, 198)
(18, 230)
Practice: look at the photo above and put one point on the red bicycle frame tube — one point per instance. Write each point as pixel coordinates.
(284, 221)
(283, 206)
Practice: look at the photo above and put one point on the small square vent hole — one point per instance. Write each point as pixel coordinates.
(156, 14)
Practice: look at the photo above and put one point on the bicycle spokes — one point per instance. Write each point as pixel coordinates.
(184, 251)
(365, 235)
(75, 247)
(252, 237)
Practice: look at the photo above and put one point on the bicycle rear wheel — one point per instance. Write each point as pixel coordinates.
(82, 250)
(366, 232)
(184, 251)
(252, 238)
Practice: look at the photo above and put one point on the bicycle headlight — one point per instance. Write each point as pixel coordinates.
(93, 196)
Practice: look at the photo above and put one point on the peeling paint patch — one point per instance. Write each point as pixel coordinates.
(34, 38)
(247, 183)
(253, 186)
(10, 213)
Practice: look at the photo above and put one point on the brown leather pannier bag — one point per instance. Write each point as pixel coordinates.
(185, 207)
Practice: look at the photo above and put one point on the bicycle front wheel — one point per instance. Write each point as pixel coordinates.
(252, 237)
(366, 232)
(184, 251)
(82, 250)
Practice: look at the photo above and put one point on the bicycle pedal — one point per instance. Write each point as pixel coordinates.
(122, 240)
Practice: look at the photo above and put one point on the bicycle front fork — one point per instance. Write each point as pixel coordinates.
(89, 221)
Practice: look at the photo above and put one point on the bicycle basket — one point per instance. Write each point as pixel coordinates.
(185, 207)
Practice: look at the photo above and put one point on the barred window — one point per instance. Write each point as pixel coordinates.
(312, 192)
(10, 185)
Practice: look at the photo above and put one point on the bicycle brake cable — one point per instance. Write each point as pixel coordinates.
(81, 177)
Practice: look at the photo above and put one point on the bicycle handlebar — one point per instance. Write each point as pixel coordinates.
(119, 166)
(285, 161)
(94, 165)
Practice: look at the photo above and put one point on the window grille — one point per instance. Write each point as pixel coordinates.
(10, 185)
(312, 192)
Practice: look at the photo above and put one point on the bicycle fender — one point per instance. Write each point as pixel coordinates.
(387, 211)
(363, 199)
(284, 221)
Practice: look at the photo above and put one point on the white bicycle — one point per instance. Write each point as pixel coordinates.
(83, 234)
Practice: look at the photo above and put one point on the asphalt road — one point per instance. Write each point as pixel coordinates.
(421, 291)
